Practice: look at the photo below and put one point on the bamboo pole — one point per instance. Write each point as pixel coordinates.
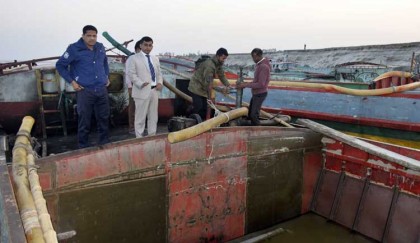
(187, 97)
(176, 72)
(24, 198)
(50, 235)
(402, 160)
(193, 131)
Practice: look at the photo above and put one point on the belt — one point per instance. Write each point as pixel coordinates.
(153, 87)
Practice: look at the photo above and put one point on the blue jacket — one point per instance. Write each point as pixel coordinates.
(89, 68)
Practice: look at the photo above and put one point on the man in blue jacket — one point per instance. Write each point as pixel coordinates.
(85, 66)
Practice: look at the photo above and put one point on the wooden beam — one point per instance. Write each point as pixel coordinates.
(405, 161)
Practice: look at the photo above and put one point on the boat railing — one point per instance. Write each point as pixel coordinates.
(29, 64)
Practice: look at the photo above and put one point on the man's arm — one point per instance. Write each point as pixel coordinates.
(133, 74)
(64, 62)
(262, 78)
(106, 68)
(222, 77)
(159, 77)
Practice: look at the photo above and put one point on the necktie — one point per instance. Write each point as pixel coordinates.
(152, 70)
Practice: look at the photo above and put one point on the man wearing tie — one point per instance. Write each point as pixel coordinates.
(144, 71)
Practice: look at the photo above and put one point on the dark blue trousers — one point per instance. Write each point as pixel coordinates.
(89, 102)
(255, 107)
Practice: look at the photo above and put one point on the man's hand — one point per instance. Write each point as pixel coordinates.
(159, 87)
(144, 84)
(107, 83)
(240, 85)
(76, 86)
(226, 90)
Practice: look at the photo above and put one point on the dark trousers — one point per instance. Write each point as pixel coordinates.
(199, 105)
(91, 101)
(255, 107)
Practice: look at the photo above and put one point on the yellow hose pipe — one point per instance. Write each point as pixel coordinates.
(185, 134)
(23, 194)
(331, 87)
(356, 92)
(390, 74)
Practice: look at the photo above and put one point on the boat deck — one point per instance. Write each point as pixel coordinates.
(57, 143)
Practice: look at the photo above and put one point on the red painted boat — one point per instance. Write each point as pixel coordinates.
(225, 184)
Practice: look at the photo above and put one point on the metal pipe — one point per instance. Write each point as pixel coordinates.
(240, 91)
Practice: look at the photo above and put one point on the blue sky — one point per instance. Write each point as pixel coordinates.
(36, 29)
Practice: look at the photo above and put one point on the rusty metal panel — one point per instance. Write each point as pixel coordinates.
(405, 222)
(274, 189)
(207, 200)
(121, 212)
(147, 157)
(275, 171)
(192, 149)
(354, 152)
(226, 144)
(374, 211)
(349, 201)
(325, 198)
(275, 181)
(292, 140)
(312, 167)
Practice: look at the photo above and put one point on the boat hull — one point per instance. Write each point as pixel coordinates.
(19, 97)
(224, 184)
(393, 118)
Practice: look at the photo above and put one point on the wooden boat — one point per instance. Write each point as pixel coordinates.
(20, 96)
(226, 184)
(390, 117)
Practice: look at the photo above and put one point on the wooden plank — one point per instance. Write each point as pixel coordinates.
(362, 145)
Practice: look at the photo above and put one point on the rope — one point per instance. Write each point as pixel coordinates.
(213, 106)
(227, 116)
(29, 219)
(24, 133)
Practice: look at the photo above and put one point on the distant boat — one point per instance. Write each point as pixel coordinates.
(391, 117)
(362, 72)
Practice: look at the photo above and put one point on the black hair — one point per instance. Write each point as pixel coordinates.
(137, 45)
(89, 27)
(222, 51)
(145, 39)
(257, 51)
